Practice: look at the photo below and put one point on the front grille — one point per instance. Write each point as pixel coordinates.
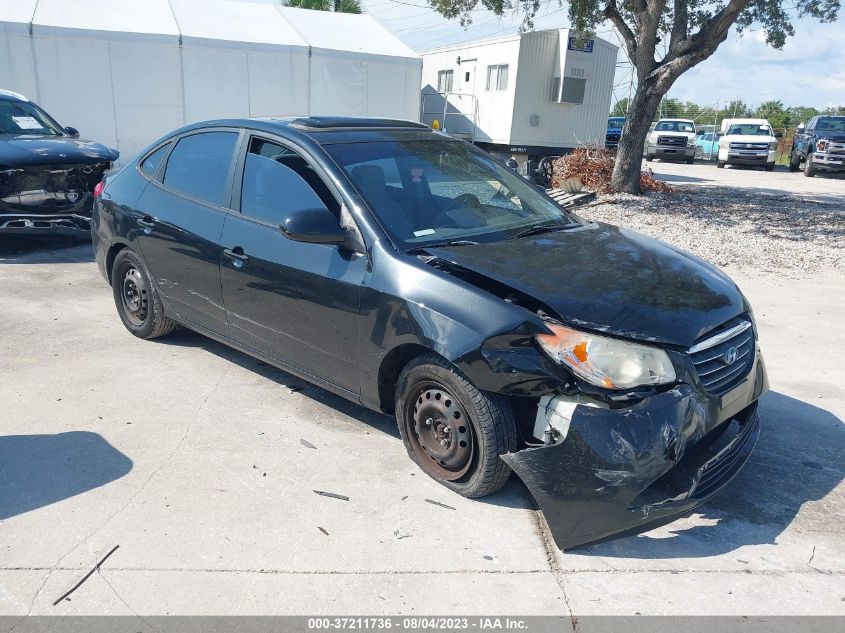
(723, 358)
(754, 146)
(836, 148)
(672, 141)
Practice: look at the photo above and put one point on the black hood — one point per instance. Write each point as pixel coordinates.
(831, 136)
(608, 279)
(26, 150)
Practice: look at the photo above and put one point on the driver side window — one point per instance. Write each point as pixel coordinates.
(276, 180)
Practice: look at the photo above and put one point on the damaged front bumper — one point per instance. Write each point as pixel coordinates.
(623, 471)
(71, 225)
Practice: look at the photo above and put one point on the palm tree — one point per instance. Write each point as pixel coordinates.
(340, 6)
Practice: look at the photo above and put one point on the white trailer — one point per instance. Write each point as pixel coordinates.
(530, 95)
(125, 72)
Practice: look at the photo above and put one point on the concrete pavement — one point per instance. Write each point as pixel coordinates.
(189, 456)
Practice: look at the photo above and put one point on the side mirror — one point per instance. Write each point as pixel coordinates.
(72, 131)
(719, 134)
(800, 126)
(315, 226)
(778, 134)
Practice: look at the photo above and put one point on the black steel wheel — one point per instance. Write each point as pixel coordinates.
(453, 431)
(136, 298)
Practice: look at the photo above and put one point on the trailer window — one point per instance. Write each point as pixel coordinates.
(444, 80)
(497, 77)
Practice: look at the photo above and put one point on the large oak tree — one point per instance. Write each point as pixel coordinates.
(663, 39)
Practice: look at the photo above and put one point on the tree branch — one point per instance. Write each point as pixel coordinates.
(611, 12)
(680, 25)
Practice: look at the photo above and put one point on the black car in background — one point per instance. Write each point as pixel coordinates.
(417, 275)
(47, 173)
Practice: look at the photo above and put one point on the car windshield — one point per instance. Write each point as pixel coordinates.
(20, 117)
(831, 124)
(435, 191)
(749, 129)
(615, 122)
(674, 126)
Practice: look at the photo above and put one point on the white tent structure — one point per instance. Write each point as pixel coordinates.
(126, 71)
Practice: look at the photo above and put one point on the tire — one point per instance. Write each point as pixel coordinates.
(699, 153)
(809, 170)
(770, 166)
(136, 298)
(433, 396)
(794, 161)
(649, 157)
(720, 164)
(690, 161)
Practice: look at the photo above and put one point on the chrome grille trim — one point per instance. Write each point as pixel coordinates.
(716, 374)
(721, 337)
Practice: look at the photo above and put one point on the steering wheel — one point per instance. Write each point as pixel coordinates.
(463, 201)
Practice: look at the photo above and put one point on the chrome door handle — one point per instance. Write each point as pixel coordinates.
(236, 255)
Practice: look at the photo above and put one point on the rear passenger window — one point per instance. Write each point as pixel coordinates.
(151, 162)
(277, 180)
(199, 164)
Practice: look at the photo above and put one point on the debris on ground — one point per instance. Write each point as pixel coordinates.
(734, 227)
(294, 388)
(307, 444)
(333, 495)
(437, 503)
(593, 166)
(399, 535)
(86, 576)
(323, 530)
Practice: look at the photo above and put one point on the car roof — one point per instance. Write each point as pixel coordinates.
(325, 129)
(8, 95)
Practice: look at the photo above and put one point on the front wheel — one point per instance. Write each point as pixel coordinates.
(137, 299)
(794, 161)
(720, 164)
(452, 430)
(809, 169)
(770, 166)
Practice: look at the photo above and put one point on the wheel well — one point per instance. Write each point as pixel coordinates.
(390, 368)
(113, 251)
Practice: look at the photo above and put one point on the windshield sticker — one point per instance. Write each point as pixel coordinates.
(27, 123)
(424, 232)
(416, 175)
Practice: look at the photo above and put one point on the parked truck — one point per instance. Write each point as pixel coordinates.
(672, 139)
(748, 142)
(821, 145)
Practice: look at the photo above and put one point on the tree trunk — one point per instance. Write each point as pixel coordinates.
(629, 153)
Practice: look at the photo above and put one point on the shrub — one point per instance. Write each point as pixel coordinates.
(594, 167)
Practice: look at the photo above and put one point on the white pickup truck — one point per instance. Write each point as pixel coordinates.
(747, 142)
(672, 139)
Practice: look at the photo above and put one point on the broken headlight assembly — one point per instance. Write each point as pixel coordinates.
(607, 362)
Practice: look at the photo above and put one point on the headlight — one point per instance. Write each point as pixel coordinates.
(821, 145)
(773, 145)
(607, 362)
(690, 142)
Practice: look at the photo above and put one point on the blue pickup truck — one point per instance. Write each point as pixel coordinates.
(614, 131)
(821, 145)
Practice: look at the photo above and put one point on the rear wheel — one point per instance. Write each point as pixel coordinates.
(720, 164)
(137, 299)
(453, 431)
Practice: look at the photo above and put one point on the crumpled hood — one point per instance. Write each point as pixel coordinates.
(25, 150)
(608, 279)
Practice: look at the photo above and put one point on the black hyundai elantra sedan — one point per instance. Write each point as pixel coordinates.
(47, 173)
(413, 273)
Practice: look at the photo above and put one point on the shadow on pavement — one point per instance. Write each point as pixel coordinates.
(800, 458)
(22, 250)
(38, 470)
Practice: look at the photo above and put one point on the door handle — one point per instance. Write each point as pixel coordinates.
(237, 256)
(147, 223)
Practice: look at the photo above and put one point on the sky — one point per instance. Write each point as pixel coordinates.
(809, 71)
